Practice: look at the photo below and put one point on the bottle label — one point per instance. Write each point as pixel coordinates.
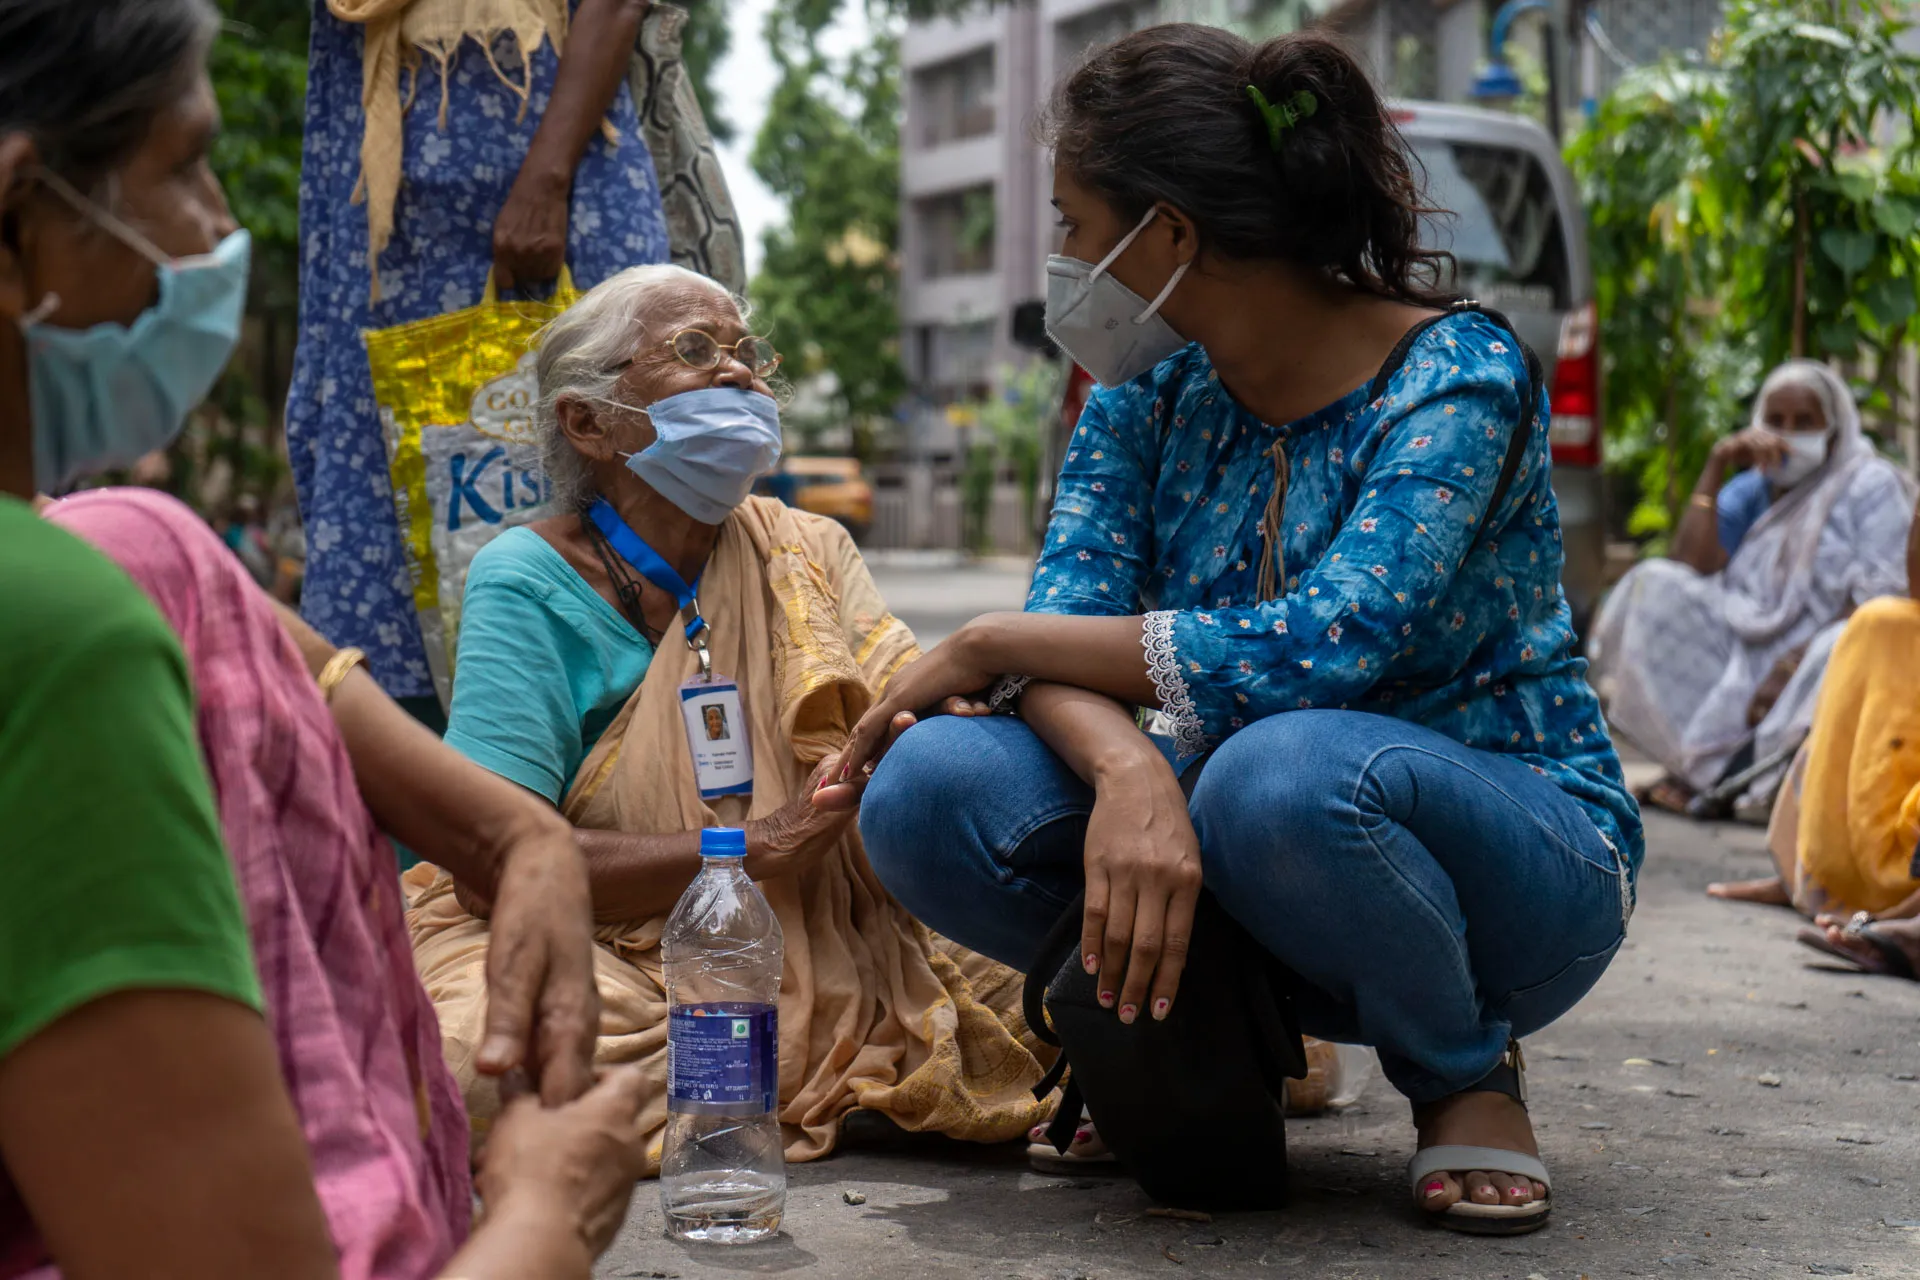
(723, 1058)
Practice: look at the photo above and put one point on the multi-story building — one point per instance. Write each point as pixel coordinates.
(976, 229)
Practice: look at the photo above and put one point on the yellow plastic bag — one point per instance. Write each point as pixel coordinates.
(456, 394)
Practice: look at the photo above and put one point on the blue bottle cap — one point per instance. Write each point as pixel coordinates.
(723, 842)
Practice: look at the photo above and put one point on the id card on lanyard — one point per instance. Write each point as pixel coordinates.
(718, 736)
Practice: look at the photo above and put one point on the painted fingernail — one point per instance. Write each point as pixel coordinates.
(1128, 1013)
(1160, 1008)
(1083, 1135)
(1106, 999)
(1434, 1188)
(1091, 961)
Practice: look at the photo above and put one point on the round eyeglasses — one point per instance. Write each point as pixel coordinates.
(698, 349)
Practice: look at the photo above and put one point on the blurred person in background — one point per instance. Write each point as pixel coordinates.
(1845, 832)
(216, 1061)
(447, 142)
(1711, 661)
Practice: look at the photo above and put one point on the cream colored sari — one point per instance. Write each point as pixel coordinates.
(875, 1011)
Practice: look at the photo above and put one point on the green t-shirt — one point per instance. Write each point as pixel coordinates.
(112, 870)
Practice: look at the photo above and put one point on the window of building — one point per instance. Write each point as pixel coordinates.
(954, 100)
(953, 362)
(1100, 26)
(957, 233)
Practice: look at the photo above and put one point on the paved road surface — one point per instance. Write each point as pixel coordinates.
(934, 596)
(1719, 1106)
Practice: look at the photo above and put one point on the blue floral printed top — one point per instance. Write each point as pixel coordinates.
(1388, 604)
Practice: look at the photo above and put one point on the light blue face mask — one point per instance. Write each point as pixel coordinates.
(106, 397)
(712, 445)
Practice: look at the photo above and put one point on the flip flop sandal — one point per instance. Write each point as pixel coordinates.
(1044, 1159)
(1894, 960)
(1488, 1219)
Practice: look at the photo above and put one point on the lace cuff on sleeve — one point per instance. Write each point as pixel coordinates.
(1176, 701)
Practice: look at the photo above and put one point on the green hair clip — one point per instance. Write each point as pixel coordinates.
(1282, 116)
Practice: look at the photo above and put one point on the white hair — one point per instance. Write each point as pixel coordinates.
(581, 355)
(1836, 399)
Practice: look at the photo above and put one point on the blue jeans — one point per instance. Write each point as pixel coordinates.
(1435, 899)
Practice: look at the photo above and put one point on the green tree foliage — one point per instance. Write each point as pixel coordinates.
(1004, 435)
(1759, 205)
(830, 149)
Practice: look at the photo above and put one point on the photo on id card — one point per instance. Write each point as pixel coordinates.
(717, 737)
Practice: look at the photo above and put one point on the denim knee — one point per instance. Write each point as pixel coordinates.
(922, 774)
(1270, 784)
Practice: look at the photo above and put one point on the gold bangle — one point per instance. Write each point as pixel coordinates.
(1705, 503)
(336, 670)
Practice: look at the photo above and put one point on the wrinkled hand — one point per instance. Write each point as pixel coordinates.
(945, 679)
(799, 833)
(1772, 687)
(543, 1011)
(530, 235)
(1143, 881)
(1751, 448)
(574, 1164)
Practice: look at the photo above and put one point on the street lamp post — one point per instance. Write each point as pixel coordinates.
(1500, 83)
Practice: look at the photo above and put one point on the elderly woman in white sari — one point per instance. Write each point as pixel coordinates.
(580, 639)
(1711, 661)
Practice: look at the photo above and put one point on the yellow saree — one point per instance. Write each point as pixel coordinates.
(875, 1011)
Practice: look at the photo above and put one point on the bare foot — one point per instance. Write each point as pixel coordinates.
(1832, 931)
(1086, 1148)
(1768, 891)
(1669, 794)
(1476, 1120)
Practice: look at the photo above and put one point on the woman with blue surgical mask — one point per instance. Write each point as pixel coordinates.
(670, 652)
(1308, 518)
(215, 1057)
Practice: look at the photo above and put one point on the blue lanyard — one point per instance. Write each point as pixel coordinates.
(652, 566)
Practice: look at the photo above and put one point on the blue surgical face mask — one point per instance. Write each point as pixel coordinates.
(107, 396)
(711, 445)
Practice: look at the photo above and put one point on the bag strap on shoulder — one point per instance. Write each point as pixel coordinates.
(1529, 408)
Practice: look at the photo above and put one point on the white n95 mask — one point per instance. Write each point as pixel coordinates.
(1805, 453)
(1107, 328)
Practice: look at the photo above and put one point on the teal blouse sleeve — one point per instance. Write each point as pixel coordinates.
(543, 664)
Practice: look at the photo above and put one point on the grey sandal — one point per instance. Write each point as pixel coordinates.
(1510, 1078)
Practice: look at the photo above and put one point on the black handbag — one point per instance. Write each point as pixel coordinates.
(1192, 1106)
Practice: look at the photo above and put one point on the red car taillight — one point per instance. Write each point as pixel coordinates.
(1575, 436)
(1079, 387)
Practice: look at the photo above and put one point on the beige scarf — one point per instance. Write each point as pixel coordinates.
(875, 1011)
(397, 32)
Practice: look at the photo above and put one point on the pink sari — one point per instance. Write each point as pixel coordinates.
(358, 1042)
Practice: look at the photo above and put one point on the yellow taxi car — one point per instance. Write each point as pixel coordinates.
(833, 487)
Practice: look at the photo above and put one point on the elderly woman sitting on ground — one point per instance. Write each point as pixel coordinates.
(1710, 662)
(580, 635)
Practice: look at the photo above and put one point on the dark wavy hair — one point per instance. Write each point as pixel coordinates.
(1163, 115)
(86, 80)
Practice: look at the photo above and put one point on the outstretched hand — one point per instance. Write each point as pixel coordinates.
(946, 680)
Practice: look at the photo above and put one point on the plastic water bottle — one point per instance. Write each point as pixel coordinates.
(723, 1168)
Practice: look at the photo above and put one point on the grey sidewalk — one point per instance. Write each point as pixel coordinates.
(1715, 1107)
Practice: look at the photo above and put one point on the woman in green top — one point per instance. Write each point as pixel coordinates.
(146, 1123)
